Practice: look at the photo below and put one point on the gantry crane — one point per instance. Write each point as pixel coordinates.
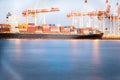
(34, 13)
(96, 13)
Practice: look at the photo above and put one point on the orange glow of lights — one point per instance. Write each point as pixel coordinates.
(74, 42)
(74, 46)
(18, 42)
(96, 40)
(18, 50)
(96, 52)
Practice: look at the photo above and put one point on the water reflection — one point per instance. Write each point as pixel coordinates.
(74, 46)
(18, 50)
(60, 60)
(96, 52)
(96, 62)
(2, 44)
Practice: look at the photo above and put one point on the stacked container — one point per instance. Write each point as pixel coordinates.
(0, 29)
(54, 29)
(46, 30)
(62, 29)
(38, 29)
(5, 29)
(23, 27)
(31, 28)
(73, 30)
(85, 30)
(66, 29)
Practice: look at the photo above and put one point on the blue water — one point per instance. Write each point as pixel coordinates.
(59, 59)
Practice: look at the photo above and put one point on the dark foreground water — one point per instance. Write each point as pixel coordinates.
(59, 60)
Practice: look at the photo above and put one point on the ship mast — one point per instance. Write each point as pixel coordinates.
(118, 16)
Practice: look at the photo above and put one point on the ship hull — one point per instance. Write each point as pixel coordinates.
(48, 36)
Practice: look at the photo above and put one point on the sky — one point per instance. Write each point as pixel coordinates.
(17, 6)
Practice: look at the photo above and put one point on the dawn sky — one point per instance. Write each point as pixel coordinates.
(17, 6)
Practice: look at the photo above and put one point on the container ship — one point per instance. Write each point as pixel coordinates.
(90, 24)
(51, 32)
(14, 30)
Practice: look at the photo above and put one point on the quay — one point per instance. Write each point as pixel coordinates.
(111, 37)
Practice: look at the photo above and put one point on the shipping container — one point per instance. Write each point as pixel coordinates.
(16, 26)
(50, 24)
(44, 25)
(94, 32)
(53, 25)
(66, 26)
(88, 28)
(78, 30)
(73, 31)
(61, 27)
(5, 29)
(38, 29)
(81, 31)
(0, 29)
(31, 28)
(31, 23)
(86, 32)
(46, 30)
(54, 29)
(22, 25)
(23, 30)
(5, 25)
(67, 31)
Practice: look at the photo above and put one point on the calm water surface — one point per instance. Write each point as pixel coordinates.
(59, 60)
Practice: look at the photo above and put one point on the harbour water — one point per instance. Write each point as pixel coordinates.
(59, 59)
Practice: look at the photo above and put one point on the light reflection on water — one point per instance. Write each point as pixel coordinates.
(59, 60)
(96, 52)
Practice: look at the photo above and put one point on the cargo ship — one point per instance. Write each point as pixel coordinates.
(50, 32)
(14, 30)
(86, 24)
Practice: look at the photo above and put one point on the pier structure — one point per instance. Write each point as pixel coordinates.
(106, 20)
